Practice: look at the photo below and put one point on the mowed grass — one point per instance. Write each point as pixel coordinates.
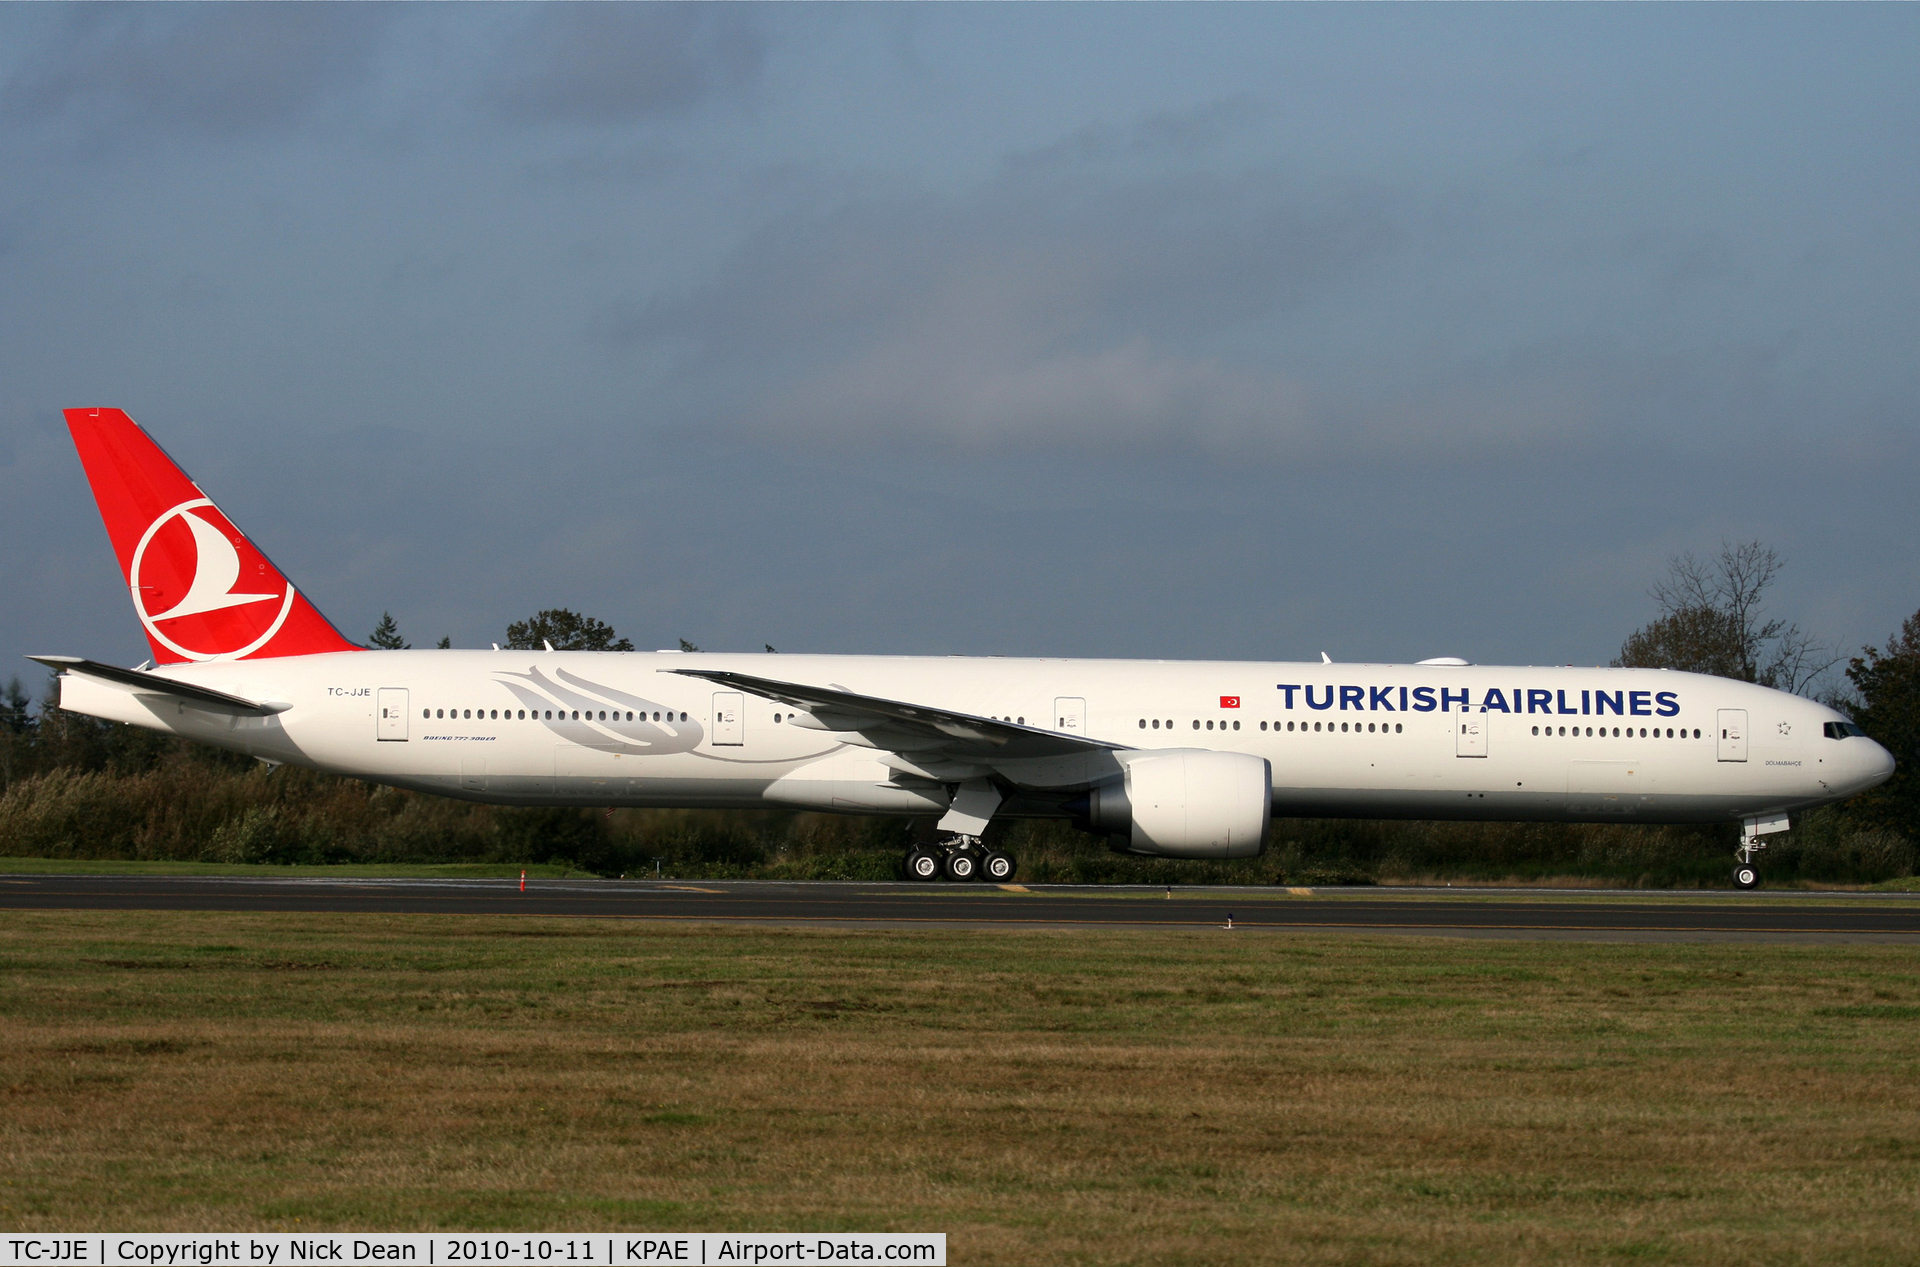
(363, 870)
(1093, 1096)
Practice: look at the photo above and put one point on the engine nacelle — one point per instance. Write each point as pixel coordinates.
(1186, 803)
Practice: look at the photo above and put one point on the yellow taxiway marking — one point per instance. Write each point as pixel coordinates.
(1015, 888)
(1301, 892)
(687, 888)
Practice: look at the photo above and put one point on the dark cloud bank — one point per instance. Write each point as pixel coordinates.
(796, 327)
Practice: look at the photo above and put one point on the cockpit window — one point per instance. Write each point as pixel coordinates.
(1843, 730)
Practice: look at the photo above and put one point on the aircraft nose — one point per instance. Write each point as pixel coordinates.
(1875, 765)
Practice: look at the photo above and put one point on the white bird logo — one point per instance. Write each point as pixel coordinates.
(216, 571)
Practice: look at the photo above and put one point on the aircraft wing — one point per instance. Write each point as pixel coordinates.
(913, 728)
(154, 684)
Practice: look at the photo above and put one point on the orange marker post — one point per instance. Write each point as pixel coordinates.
(523, 879)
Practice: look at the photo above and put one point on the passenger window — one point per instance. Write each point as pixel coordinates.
(1263, 725)
(1196, 723)
(1289, 725)
(1343, 728)
(1396, 728)
(426, 712)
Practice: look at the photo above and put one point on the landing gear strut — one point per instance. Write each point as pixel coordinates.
(1746, 871)
(960, 855)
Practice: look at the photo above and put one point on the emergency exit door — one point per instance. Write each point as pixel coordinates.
(392, 702)
(1070, 716)
(1470, 735)
(729, 718)
(1732, 724)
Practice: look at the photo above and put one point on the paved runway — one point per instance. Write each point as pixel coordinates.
(1584, 915)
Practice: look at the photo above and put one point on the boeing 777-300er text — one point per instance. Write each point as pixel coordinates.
(1179, 759)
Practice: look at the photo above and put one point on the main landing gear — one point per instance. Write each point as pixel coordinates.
(960, 855)
(1746, 870)
(961, 859)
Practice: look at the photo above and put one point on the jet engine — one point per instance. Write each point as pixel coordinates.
(1185, 803)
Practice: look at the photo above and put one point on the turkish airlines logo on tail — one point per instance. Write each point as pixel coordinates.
(207, 615)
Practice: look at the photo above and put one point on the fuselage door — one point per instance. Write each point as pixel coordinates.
(1070, 716)
(729, 718)
(393, 714)
(1470, 735)
(1733, 734)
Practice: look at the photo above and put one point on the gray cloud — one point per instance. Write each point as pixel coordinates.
(612, 63)
(1037, 312)
(217, 68)
(1177, 134)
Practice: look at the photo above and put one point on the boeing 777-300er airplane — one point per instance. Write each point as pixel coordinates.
(1179, 759)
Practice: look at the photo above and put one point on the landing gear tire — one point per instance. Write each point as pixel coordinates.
(1746, 876)
(962, 865)
(923, 864)
(998, 868)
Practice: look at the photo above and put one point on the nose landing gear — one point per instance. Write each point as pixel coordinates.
(1746, 872)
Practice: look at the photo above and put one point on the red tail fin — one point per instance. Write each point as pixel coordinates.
(203, 591)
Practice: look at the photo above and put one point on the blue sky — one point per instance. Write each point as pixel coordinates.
(1182, 331)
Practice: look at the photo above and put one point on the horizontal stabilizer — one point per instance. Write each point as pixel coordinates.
(154, 684)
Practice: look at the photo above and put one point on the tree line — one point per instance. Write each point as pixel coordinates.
(72, 786)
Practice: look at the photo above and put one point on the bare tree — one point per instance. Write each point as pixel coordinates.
(1712, 620)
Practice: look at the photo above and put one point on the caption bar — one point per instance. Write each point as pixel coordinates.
(422, 1249)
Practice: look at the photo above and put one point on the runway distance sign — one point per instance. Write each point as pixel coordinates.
(422, 1249)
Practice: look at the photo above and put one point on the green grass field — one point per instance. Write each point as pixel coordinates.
(1093, 1096)
(368, 870)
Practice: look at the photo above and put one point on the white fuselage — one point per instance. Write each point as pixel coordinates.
(1368, 740)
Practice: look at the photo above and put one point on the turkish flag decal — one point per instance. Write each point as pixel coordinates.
(1229, 701)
